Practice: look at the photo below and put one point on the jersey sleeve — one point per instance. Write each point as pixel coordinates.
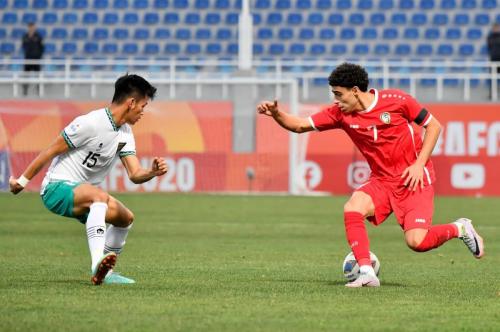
(414, 112)
(325, 119)
(129, 148)
(78, 132)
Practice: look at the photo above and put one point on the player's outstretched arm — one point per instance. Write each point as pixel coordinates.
(59, 146)
(285, 120)
(137, 174)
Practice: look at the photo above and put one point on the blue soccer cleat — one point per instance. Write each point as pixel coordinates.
(106, 264)
(116, 278)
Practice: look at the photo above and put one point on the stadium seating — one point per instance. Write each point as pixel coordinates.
(452, 29)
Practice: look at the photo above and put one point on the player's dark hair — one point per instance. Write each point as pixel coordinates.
(349, 75)
(132, 86)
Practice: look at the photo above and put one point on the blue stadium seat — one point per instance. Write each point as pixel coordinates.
(440, 19)
(257, 18)
(461, 19)
(264, 33)
(40, 4)
(181, 4)
(406, 4)
(80, 4)
(445, 50)
(162, 34)
(231, 49)
(315, 19)
(100, 34)
(224, 34)
(369, 33)
(283, 4)
(59, 33)
(212, 19)
(213, 49)
(317, 49)
(365, 4)
(69, 18)
(183, 34)
(222, 4)
(262, 4)
(448, 4)
(326, 34)
(202, 4)
(419, 19)
(49, 18)
(141, 4)
(482, 19)
(100, 4)
(402, 49)
(344, 4)
(3, 4)
(130, 49)
(274, 18)
(497, 19)
(60, 4)
(141, 34)
(356, 19)
(20, 4)
(390, 33)
(303, 4)
(120, 4)
(466, 50)
(192, 18)
(203, 34)
(306, 34)
(110, 18)
(3, 33)
(151, 18)
(382, 49)
(411, 33)
(17, 33)
(171, 18)
(7, 48)
(285, 34)
(323, 4)
(192, 49)
(151, 49)
(9, 18)
(347, 33)
(424, 49)
(489, 4)
(468, 4)
(109, 48)
(90, 48)
(453, 33)
(398, 19)
(121, 34)
(80, 33)
(130, 18)
(49, 48)
(297, 49)
(427, 4)
(172, 49)
(338, 49)
(29, 18)
(294, 19)
(474, 34)
(336, 19)
(386, 4)
(361, 49)
(231, 18)
(377, 19)
(258, 49)
(160, 4)
(89, 18)
(42, 32)
(432, 33)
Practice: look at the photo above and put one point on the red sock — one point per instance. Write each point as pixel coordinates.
(357, 237)
(437, 235)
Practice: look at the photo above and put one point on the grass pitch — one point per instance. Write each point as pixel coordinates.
(226, 263)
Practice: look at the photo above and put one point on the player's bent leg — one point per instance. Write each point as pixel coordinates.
(421, 239)
(471, 238)
(415, 237)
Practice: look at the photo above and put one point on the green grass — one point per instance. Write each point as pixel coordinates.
(224, 263)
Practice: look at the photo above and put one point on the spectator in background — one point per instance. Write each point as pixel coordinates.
(33, 50)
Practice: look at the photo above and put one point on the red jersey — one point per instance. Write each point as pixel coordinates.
(383, 133)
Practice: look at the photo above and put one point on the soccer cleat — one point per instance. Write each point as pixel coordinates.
(116, 278)
(471, 239)
(107, 263)
(364, 280)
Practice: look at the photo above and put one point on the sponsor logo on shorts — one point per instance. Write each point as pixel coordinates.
(420, 220)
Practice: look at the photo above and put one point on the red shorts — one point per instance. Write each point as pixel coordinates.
(413, 209)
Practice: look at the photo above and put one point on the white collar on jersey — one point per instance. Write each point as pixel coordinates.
(375, 101)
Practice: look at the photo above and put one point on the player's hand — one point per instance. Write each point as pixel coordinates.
(414, 176)
(269, 108)
(15, 187)
(159, 166)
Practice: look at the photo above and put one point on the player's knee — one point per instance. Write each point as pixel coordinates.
(413, 244)
(130, 218)
(101, 196)
(354, 207)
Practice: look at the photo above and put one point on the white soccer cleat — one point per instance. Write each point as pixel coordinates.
(471, 239)
(364, 280)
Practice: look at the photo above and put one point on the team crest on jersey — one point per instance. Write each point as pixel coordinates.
(385, 117)
(120, 146)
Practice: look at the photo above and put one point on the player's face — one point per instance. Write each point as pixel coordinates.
(136, 109)
(345, 98)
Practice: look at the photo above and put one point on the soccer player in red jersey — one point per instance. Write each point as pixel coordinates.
(402, 175)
